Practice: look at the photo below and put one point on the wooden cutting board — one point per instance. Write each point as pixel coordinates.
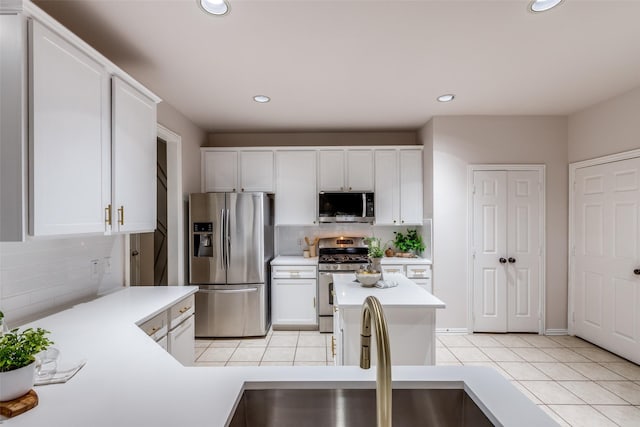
(22, 404)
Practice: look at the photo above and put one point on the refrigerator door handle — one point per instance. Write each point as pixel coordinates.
(229, 291)
(228, 239)
(222, 234)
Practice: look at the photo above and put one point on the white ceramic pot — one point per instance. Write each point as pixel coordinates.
(17, 383)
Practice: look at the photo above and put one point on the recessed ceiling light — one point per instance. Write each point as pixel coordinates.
(543, 5)
(261, 98)
(446, 98)
(214, 7)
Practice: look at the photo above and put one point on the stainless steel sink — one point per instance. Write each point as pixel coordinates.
(355, 407)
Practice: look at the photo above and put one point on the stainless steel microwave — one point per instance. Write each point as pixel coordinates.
(345, 207)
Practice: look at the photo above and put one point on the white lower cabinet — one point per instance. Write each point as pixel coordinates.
(336, 340)
(174, 330)
(182, 330)
(182, 341)
(419, 273)
(293, 297)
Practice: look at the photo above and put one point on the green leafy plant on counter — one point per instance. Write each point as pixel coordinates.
(18, 349)
(412, 241)
(375, 251)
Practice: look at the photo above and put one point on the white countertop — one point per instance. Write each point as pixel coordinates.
(130, 381)
(403, 260)
(350, 294)
(300, 260)
(294, 260)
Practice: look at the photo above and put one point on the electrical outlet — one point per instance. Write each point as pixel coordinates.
(94, 267)
(300, 242)
(107, 264)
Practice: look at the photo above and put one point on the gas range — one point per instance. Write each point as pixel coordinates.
(336, 255)
(342, 254)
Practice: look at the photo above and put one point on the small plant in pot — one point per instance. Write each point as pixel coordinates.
(375, 252)
(18, 360)
(410, 244)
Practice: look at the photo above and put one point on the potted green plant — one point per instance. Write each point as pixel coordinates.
(411, 242)
(375, 252)
(17, 360)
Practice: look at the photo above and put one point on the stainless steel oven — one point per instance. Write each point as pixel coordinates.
(337, 255)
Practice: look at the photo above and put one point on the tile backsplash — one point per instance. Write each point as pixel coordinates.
(290, 239)
(41, 276)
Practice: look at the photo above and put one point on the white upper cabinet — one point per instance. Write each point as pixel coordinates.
(411, 187)
(296, 193)
(398, 181)
(133, 159)
(256, 171)
(331, 175)
(360, 170)
(86, 148)
(387, 188)
(345, 170)
(69, 137)
(220, 171)
(237, 170)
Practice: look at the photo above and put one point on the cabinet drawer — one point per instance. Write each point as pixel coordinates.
(424, 284)
(156, 327)
(294, 272)
(419, 271)
(181, 311)
(392, 269)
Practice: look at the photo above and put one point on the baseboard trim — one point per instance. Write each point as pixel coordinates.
(556, 332)
(452, 331)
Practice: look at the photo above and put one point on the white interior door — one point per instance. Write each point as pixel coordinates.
(490, 244)
(607, 232)
(524, 251)
(507, 249)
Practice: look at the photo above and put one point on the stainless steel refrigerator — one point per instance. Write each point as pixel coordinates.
(230, 248)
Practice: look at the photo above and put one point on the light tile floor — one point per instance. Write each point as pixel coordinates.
(575, 382)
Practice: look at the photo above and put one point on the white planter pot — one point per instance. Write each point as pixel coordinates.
(17, 383)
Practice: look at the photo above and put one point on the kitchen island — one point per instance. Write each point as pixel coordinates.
(130, 381)
(411, 319)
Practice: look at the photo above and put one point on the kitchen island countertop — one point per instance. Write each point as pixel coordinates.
(407, 294)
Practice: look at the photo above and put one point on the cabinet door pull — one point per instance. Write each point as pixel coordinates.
(121, 215)
(185, 309)
(314, 302)
(107, 214)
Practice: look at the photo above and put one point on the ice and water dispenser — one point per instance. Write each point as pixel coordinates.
(203, 239)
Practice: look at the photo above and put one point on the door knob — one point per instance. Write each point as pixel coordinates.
(135, 253)
(636, 271)
(502, 260)
(511, 260)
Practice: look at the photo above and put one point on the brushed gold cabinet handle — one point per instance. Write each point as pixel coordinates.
(121, 215)
(107, 214)
(333, 346)
(185, 309)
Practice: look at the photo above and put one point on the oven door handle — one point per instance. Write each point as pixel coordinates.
(330, 293)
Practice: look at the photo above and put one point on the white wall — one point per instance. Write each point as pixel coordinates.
(275, 139)
(609, 127)
(460, 141)
(192, 139)
(40, 276)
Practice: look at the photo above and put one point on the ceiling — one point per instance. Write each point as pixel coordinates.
(367, 64)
